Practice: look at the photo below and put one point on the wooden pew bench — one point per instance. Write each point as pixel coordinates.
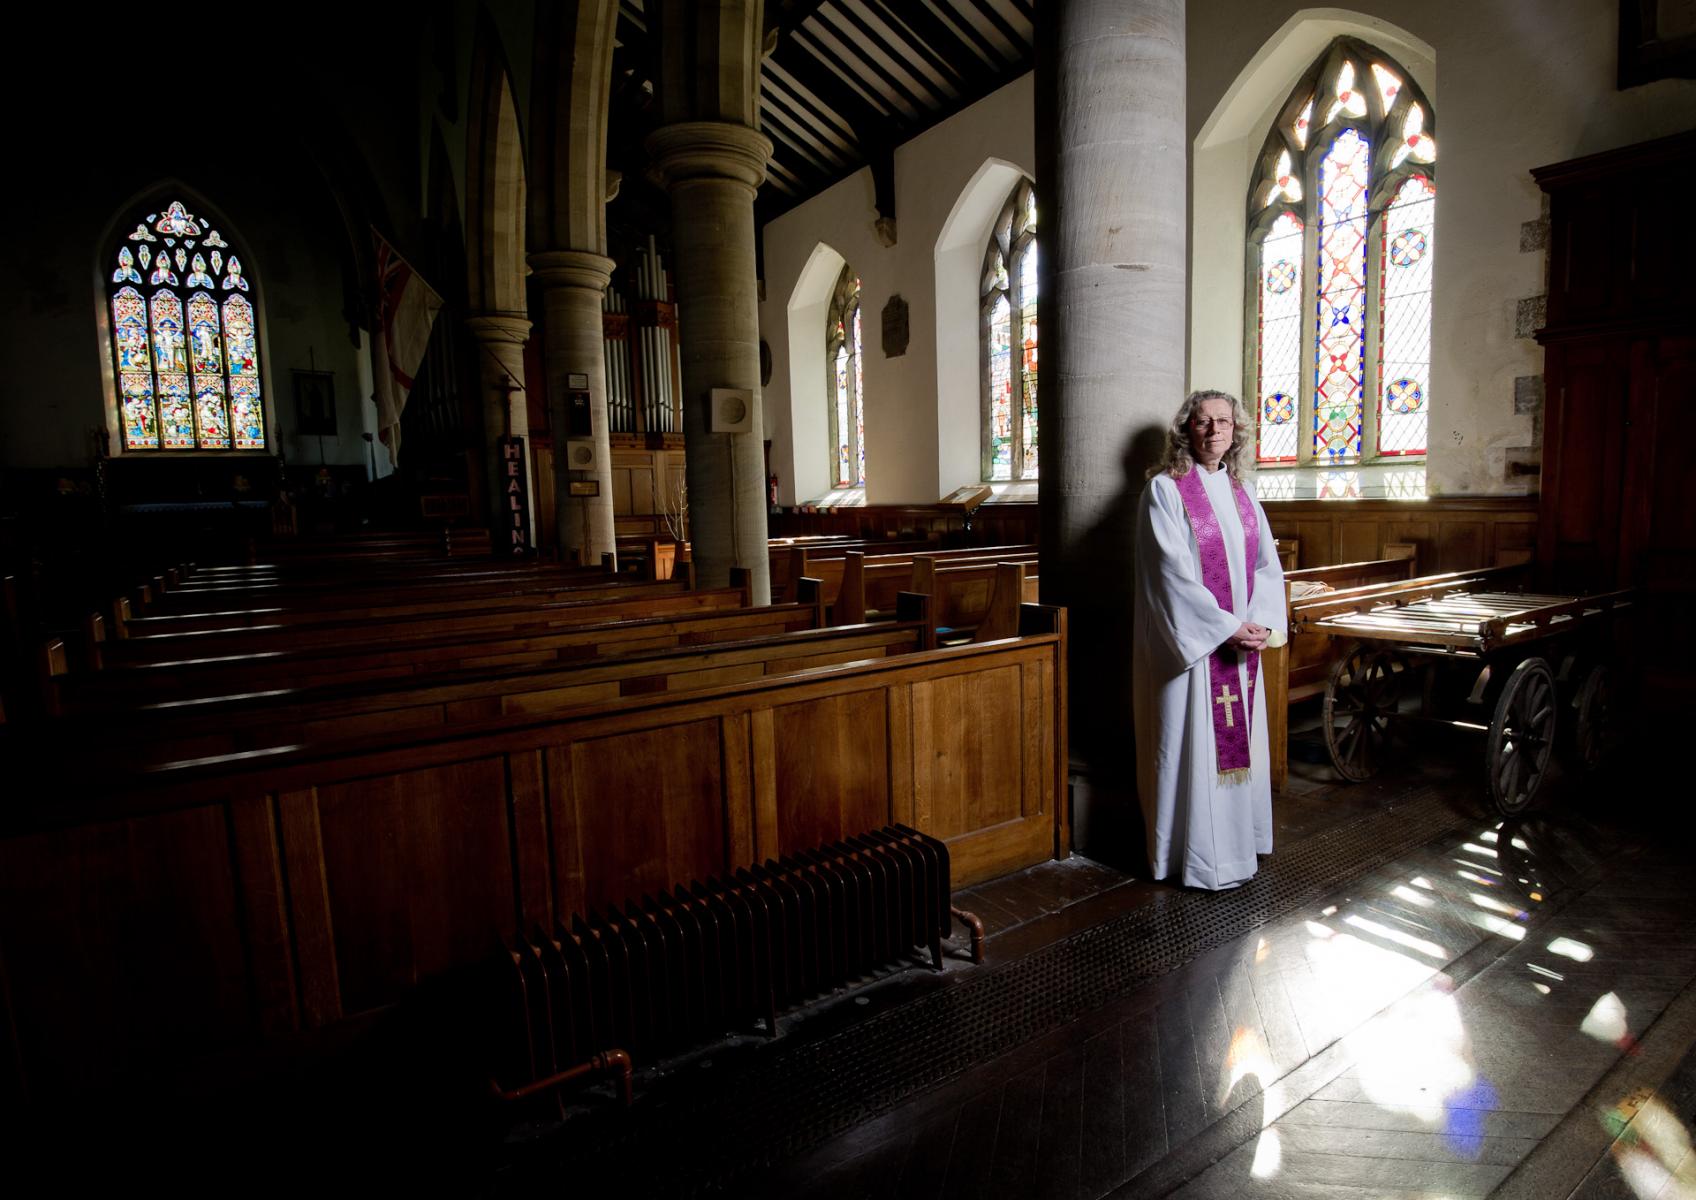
(274, 905)
(160, 732)
(965, 594)
(115, 687)
(870, 583)
(1298, 670)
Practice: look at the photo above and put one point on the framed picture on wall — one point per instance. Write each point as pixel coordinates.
(315, 403)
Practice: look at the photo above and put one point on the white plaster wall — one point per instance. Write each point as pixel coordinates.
(916, 449)
(1515, 86)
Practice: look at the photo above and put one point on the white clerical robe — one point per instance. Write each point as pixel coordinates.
(1201, 832)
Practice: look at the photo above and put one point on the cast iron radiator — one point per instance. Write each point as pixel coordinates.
(684, 967)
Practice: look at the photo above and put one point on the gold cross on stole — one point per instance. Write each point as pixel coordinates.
(1227, 699)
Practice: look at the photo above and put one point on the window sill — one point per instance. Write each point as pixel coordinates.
(1020, 491)
(1363, 481)
(842, 497)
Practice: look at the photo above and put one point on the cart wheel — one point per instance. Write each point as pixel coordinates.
(1361, 700)
(1522, 734)
(1595, 727)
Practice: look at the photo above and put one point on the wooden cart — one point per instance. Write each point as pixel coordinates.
(1536, 665)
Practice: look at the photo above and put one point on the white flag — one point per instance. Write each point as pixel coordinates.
(406, 310)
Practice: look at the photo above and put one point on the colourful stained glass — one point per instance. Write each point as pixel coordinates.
(247, 414)
(843, 448)
(859, 402)
(1418, 145)
(126, 272)
(212, 239)
(198, 277)
(1001, 389)
(1303, 119)
(239, 343)
(233, 278)
(135, 398)
(1284, 184)
(129, 331)
(1389, 84)
(162, 273)
(170, 355)
(142, 234)
(217, 260)
(1028, 356)
(1409, 233)
(1278, 365)
(146, 256)
(1350, 101)
(176, 414)
(177, 220)
(206, 358)
(1340, 330)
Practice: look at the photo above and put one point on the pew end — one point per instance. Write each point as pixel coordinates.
(120, 618)
(52, 664)
(742, 579)
(809, 593)
(851, 599)
(1002, 619)
(915, 606)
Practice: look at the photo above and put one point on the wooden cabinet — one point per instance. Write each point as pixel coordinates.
(1617, 370)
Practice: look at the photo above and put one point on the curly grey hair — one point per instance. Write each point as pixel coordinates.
(1177, 459)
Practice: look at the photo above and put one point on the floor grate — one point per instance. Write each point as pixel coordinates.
(786, 1099)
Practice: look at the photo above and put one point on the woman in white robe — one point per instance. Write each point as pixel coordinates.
(1202, 831)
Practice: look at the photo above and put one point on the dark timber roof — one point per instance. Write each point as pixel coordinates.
(849, 80)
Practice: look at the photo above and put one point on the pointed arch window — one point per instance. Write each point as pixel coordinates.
(185, 345)
(846, 382)
(1342, 239)
(1009, 338)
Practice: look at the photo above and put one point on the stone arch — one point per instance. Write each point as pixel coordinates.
(809, 304)
(959, 265)
(496, 190)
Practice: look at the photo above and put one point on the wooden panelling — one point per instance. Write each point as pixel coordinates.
(672, 776)
(122, 940)
(418, 868)
(1456, 534)
(970, 771)
(144, 930)
(831, 759)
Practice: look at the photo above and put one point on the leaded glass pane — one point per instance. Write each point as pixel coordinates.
(1350, 100)
(843, 415)
(1389, 84)
(859, 402)
(1027, 360)
(1409, 243)
(1279, 339)
(206, 356)
(1001, 389)
(1303, 119)
(187, 369)
(1340, 330)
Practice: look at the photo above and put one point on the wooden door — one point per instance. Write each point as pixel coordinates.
(1584, 447)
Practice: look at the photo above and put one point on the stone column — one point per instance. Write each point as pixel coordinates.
(572, 284)
(711, 169)
(500, 339)
(1112, 182)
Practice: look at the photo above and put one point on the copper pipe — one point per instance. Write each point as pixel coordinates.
(604, 1063)
(975, 923)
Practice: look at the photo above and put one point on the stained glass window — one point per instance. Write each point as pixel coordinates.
(847, 383)
(1278, 368)
(1341, 228)
(1009, 307)
(185, 362)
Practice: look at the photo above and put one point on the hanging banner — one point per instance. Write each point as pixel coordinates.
(514, 536)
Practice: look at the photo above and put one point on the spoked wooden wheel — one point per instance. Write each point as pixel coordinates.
(1595, 727)
(1522, 734)
(1361, 702)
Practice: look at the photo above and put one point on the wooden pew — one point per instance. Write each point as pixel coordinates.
(116, 687)
(963, 593)
(514, 615)
(163, 731)
(870, 583)
(1299, 669)
(270, 906)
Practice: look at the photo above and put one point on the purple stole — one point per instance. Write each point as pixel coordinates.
(1230, 712)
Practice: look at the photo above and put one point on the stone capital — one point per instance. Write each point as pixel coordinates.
(709, 150)
(493, 327)
(572, 268)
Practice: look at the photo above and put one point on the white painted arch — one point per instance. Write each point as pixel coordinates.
(808, 306)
